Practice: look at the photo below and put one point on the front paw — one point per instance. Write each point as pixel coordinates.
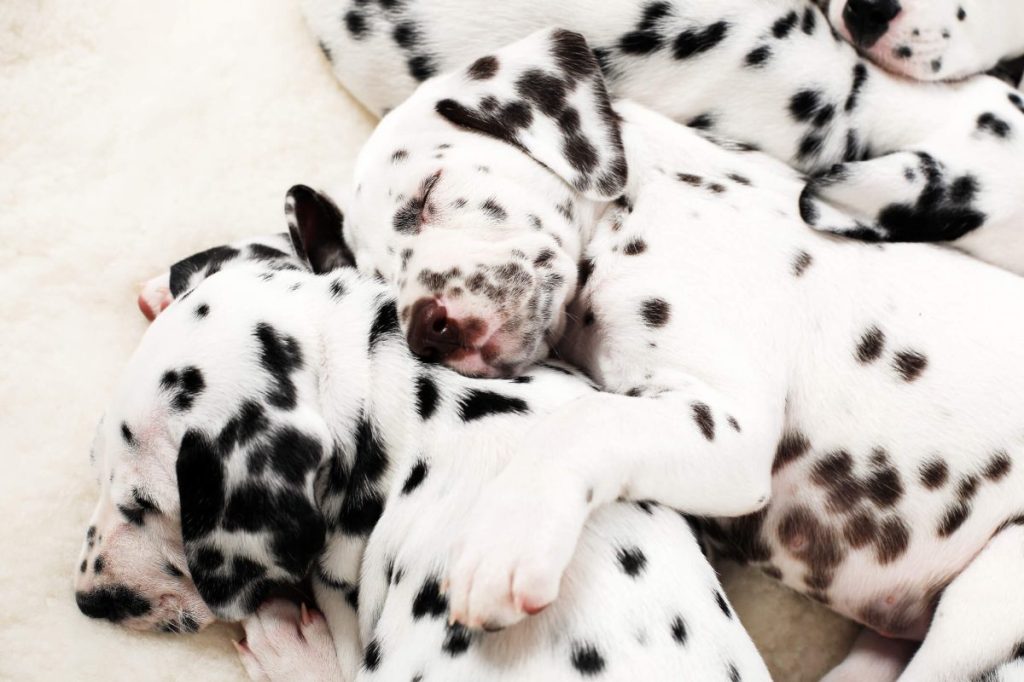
(520, 535)
(284, 642)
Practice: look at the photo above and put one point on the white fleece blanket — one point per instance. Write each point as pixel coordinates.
(134, 132)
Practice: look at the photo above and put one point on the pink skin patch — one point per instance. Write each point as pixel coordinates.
(155, 296)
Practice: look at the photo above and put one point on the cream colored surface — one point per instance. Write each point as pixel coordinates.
(132, 133)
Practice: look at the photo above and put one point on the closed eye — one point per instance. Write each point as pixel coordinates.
(136, 510)
(426, 208)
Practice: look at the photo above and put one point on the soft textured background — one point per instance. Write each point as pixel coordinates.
(134, 132)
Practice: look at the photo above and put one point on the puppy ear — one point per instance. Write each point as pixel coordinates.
(316, 225)
(545, 95)
(249, 519)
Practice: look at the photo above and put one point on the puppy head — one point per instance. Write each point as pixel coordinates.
(471, 196)
(206, 460)
(929, 39)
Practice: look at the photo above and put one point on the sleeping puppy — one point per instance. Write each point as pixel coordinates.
(932, 39)
(273, 423)
(860, 391)
(903, 161)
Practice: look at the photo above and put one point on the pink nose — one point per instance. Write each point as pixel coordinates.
(432, 334)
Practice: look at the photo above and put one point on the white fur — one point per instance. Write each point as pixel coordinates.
(768, 324)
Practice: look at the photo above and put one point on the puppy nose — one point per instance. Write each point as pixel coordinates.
(112, 603)
(868, 20)
(432, 334)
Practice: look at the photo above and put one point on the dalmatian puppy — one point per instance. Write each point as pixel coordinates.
(900, 160)
(855, 399)
(932, 39)
(273, 423)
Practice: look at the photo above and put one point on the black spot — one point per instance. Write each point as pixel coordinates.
(635, 247)
(483, 68)
(871, 345)
(702, 415)
(645, 39)
(477, 404)
(385, 324)
(801, 262)
(585, 270)
(406, 35)
(185, 384)
(739, 179)
(892, 540)
(371, 655)
(426, 396)
(734, 673)
(722, 603)
(202, 310)
(246, 424)
(679, 633)
(81, 568)
(884, 486)
(493, 210)
(792, 446)
(909, 364)
(416, 476)
(782, 27)
(690, 179)
(98, 564)
(759, 56)
(696, 41)
(810, 21)
(903, 52)
(936, 65)
(127, 436)
(655, 312)
(934, 474)
(990, 123)
(804, 104)
(399, 155)
(587, 660)
(953, 518)
(998, 466)
(421, 67)
(734, 424)
(632, 560)
(961, 14)
(702, 122)
(280, 356)
(457, 640)
(355, 22)
(429, 601)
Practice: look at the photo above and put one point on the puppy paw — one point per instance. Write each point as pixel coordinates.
(285, 642)
(155, 296)
(902, 197)
(508, 561)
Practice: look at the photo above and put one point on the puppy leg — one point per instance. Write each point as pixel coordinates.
(874, 658)
(284, 642)
(696, 450)
(344, 627)
(903, 197)
(979, 622)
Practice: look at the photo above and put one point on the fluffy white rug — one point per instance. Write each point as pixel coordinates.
(133, 133)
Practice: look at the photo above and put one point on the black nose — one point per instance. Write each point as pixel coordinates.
(868, 20)
(432, 334)
(113, 603)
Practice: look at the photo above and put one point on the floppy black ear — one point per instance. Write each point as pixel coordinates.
(316, 225)
(546, 95)
(249, 520)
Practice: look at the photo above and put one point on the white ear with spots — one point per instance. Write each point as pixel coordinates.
(545, 95)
